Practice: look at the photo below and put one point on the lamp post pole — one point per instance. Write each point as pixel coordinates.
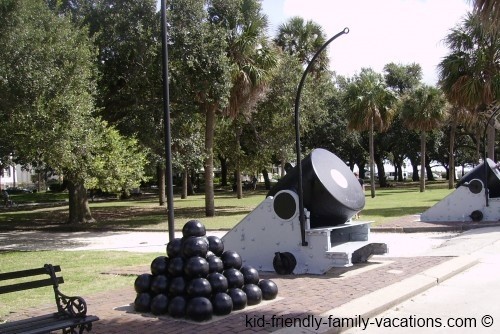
(300, 189)
(485, 155)
(166, 119)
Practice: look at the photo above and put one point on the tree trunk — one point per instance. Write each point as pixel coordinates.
(239, 187)
(267, 182)
(414, 167)
(190, 188)
(160, 171)
(451, 163)
(14, 177)
(372, 153)
(185, 177)
(491, 140)
(362, 170)
(428, 170)
(209, 161)
(477, 140)
(79, 211)
(39, 184)
(422, 161)
(237, 176)
(223, 170)
(399, 174)
(381, 172)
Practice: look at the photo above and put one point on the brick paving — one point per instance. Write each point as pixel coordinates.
(299, 296)
(412, 223)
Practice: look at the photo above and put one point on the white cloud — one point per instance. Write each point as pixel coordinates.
(383, 31)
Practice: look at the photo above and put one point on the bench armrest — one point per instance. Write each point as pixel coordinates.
(73, 306)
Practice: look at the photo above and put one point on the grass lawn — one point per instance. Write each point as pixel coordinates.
(145, 213)
(391, 203)
(84, 272)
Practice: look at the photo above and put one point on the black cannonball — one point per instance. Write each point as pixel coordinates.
(209, 254)
(198, 287)
(199, 309)
(177, 307)
(159, 284)
(194, 246)
(177, 286)
(238, 297)
(269, 289)
(159, 265)
(175, 267)
(159, 304)
(222, 303)
(218, 282)
(250, 274)
(142, 283)
(174, 247)
(215, 245)
(215, 264)
(193, 228)
(196, 266)
(231, 259)
(254, 294)
(142, 302)
(234, 277)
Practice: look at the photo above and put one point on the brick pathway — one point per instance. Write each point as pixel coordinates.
(299, 296)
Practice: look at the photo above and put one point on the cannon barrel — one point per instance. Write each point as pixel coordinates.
(331, 192)
(479, 172)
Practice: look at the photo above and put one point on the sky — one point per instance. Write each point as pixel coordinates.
(380, 31)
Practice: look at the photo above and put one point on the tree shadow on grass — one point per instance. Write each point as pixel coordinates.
(110, 216)
(131, 217)
(34, 218)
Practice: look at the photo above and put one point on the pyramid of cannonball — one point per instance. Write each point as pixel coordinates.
(198, 279)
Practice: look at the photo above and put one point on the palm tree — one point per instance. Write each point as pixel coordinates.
(369, 106)
(488, 11)
(252, 61)
(303, 39)
(424, 110)
(457, 116)
(470, 74)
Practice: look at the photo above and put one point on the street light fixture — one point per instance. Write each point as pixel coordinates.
(297, 136)
(166, 112)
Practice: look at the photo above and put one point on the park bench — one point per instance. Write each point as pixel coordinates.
(71, 316)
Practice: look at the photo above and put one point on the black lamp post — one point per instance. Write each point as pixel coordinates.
(166, 112)
(297, 136)
(485, 155)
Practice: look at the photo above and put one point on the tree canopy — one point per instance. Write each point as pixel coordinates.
(48, 86)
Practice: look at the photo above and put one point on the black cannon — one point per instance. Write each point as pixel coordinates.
(269, 238)
(331, 191)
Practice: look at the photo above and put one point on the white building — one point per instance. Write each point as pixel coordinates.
(15, 176)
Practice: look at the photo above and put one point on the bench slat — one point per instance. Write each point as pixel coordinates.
(27, 273)
(44, 324)
(29, 285)
(27, 323)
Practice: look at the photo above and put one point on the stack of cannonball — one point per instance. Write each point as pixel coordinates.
(198, 279)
